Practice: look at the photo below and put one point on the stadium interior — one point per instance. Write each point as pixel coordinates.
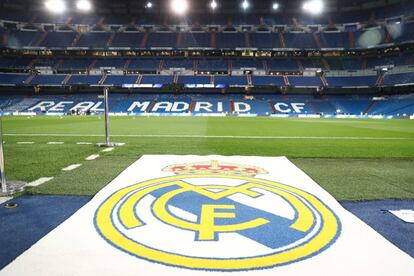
(327, 83)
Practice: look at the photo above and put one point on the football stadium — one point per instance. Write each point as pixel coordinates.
(218, 137)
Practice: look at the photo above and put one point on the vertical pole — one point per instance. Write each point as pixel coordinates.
(3, 175)
(106, 92)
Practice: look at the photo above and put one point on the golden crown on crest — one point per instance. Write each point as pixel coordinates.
(214, 167)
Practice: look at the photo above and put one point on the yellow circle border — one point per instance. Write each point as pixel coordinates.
(327, 235)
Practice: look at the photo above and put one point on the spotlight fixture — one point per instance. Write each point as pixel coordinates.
(148, 5)
(84, 5)
(245, 5)
(275, 6)
(213, 5)
(179, 7)
(55, 6)
(313, 6)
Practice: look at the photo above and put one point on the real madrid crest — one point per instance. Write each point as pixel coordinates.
(215, 216)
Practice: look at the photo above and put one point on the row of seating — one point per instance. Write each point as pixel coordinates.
(212, 64)
(264, 105)
(220, 80)
(223, 40)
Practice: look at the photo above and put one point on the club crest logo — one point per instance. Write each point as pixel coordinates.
(217, 216)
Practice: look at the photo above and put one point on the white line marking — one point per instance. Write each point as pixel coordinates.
(216, 136)
(25, 143)
(84, 143)
(71, 167)
(92, 157)
(4, 199)
(55, 143)
(39, 182)
(108, 149)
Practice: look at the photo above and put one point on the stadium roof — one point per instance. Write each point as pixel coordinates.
(200, 6)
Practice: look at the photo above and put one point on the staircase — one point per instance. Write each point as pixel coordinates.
(324, 81)
(265, 67)
(282, 40)
(213, 40)
(326, 64)
(300, 65)
(176, 77)
(126, 65)
(33, 19)
(370, 107)
(364, 64)
(29, 79)
(101, 21)
(57, 65)
(310, 104)
(230, 66)
(76, 40)
(231, 107)
(247, 41)
(69, 20)
(103, 79)
(317, 40)
(6, 37)
(161, 66)
(30, 65)
(139, 79)
(286, 79)
(92, 65)
(111, 39)
(41, 39)
(66, 80)
(249, 80)
(272, 107)
(212, 79)
(179, 40)
(195, 65)
(144, 41)
(351, 38)
(380, 80)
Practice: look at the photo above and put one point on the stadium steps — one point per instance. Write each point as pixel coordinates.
(272, 107)
(179, 40)
(192, 104)
(326, 64)
(30, 65)
(29, 79)
(150, 107)
(300, 65)
(247, 40)
(286, 79)
(103, 79)
(6, 36)
(126, 65)
(399, 108)
(161, 65)
(230, 66)
(265, 67)
(314, 110)
(58, 64)
(76, 39)
(33, 19)
(213, 40)
(370, 107)
(111, 39)
(324, 81)
(66, 80)
(282, 40)
(144, 41)
(364, 64)
(231, 106)
(388, 38)
(41, 39)
(139, 79)
(249, 80)
(194, 65)
(212, 79)
(317, 40)
(351, 38)
(69, 20)
(380, 79)
(92, 65)
(176, 77)
(101, 21)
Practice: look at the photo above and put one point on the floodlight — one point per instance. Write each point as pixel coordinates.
(313, 6)
(213, 5)
(84, 5)
(275, 6)
(245, 5)
(179, 7)
(148, 5)
(55, 6)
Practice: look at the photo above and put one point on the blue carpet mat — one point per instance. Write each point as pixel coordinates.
(36, 216)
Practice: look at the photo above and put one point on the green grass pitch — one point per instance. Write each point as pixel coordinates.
(352, 159)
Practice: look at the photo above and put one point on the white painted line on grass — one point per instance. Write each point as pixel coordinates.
(55, 143)
(39, 182)
(4, 199)
(25, 143)
(83, 143)
(216, 136)
(108, 149)
(92, 157)
(71, 167)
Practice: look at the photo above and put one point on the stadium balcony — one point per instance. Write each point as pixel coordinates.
(268, 81)
(398, 79)
(84, 80)
(151, 65)
(178, 63)
(162, 40)
(212, 65)
(334, 39)
(59, 39)
(265, 40)
(195, 40)
(12, 79)
(354, 81)
(157, 79)
(128, 40)
(231, 80)
(93, 40)
(18, 39)
(48, 80)
(282, 64)
(194, 80)
(110, 63)
(300, 40)
(230, 40)
(120, 80)
(300, 81)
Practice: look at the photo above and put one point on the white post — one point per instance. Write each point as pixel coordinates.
(3, 175)
(106, 101)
